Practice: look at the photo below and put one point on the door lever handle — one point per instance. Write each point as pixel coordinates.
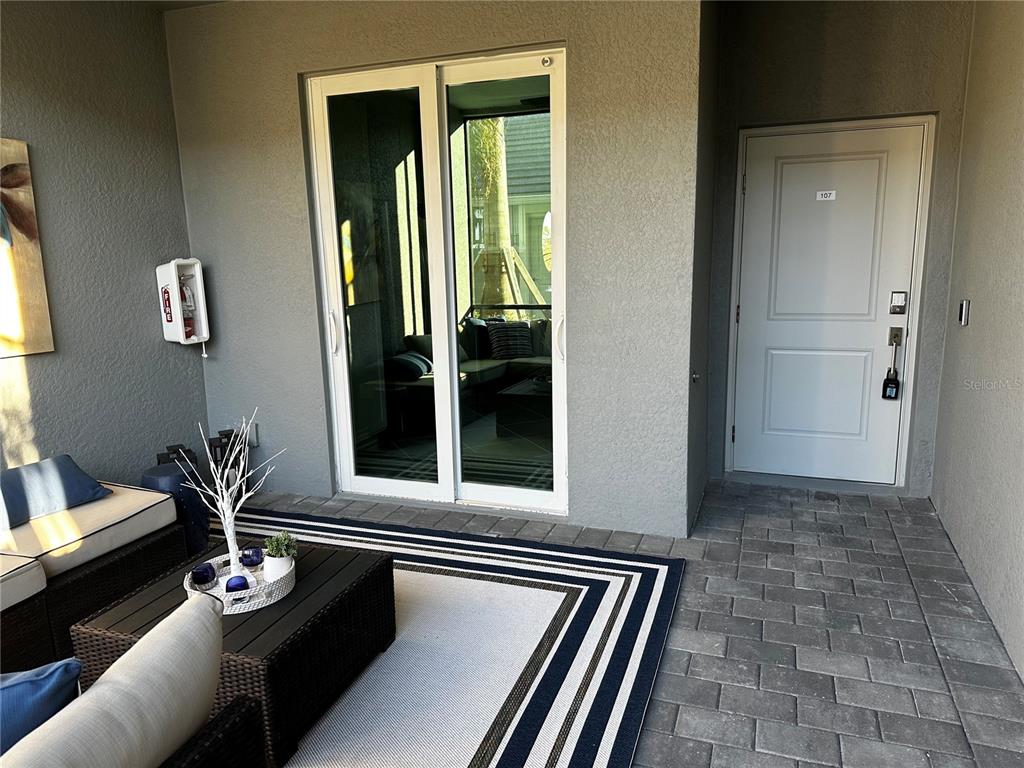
(560, 337)
(334, 331)
(891, 383)
(895, 341)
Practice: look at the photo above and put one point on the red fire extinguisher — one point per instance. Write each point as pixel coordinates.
(188, 306)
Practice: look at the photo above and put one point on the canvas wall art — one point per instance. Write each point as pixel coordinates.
(24, 308)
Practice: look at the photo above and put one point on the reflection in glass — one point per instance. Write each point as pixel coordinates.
(378, 186)
(500, 149)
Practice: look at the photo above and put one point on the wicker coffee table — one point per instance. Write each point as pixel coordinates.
(296, 656)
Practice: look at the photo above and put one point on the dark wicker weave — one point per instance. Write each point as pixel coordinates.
(82, 591)
(231, 739)
(25, 639)
(296, 656)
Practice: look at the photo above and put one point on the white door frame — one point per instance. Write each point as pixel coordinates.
(430, 79)
(927, 122)
(333, 310)
(506, 67)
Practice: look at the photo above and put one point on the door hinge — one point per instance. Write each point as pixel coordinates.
(743, 189)
(734, 433)
(737, 313)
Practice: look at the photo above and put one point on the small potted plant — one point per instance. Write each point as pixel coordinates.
(278, 552)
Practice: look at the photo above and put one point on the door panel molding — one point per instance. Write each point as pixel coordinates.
(862, 359)
(777, 226)
(910, 348)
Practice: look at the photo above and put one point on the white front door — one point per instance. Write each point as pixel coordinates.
(831, 223)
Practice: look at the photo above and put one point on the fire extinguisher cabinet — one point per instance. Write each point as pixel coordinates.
(183, 301)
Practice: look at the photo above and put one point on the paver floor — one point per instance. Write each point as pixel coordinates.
(811, 629)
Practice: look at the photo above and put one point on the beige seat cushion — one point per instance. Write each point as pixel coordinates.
(146, 705)
(20, 578)
(66, 539)
(483, 370)
(426, 383)
(523, 367)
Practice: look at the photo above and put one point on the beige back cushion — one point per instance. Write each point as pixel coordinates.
(149, 703)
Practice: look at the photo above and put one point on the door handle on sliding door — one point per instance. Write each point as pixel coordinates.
(334, 332)
(559, 337)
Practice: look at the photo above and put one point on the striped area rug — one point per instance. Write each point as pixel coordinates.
(508, 653)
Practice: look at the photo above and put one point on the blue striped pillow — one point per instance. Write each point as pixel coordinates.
(407, 366)
(44, 487)
(510, 340)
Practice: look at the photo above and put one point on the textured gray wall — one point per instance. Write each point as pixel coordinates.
(979, 459)
(86, 85)
(703, 226)
(632, 112)
(805, 62)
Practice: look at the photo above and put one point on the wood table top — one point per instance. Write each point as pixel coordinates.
(322, 573)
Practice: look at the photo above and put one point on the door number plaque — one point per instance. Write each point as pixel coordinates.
(827, 195)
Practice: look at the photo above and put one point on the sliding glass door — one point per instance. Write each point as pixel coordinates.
(440, 200)
(503, 142)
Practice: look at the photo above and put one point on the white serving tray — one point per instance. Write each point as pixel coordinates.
(259, 596)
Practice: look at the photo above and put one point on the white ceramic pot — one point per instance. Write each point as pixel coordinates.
(275, 567)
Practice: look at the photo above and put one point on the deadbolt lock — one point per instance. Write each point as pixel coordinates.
(891, 382)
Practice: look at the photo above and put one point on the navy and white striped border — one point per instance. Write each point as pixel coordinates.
(617, 695)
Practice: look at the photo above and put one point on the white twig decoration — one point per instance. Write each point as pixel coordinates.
(227, 495)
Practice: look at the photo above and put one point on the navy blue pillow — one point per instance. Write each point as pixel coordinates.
(29, 699)
(407, 366)
(45, 487)
(474, 339)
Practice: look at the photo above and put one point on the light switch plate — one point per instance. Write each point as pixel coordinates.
(965, 312)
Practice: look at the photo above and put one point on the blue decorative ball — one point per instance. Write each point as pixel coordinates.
(251, 556)
(236, 584)
(203, 574)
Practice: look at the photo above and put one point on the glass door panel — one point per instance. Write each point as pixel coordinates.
(499, 145)
(383, 280)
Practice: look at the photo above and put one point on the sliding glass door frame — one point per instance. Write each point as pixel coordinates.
(549, 63)
(333, 311)
(431, 81)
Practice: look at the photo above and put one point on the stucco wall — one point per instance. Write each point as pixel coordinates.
(86, 85)
(632, 111)
(787, 63)
(697, 470)
(979, 483)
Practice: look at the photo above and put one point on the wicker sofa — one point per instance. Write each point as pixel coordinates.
(231, 739)
(60, 568)
(157, 697)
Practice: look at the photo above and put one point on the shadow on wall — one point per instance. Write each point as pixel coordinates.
(794, 63)
(827, 43)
